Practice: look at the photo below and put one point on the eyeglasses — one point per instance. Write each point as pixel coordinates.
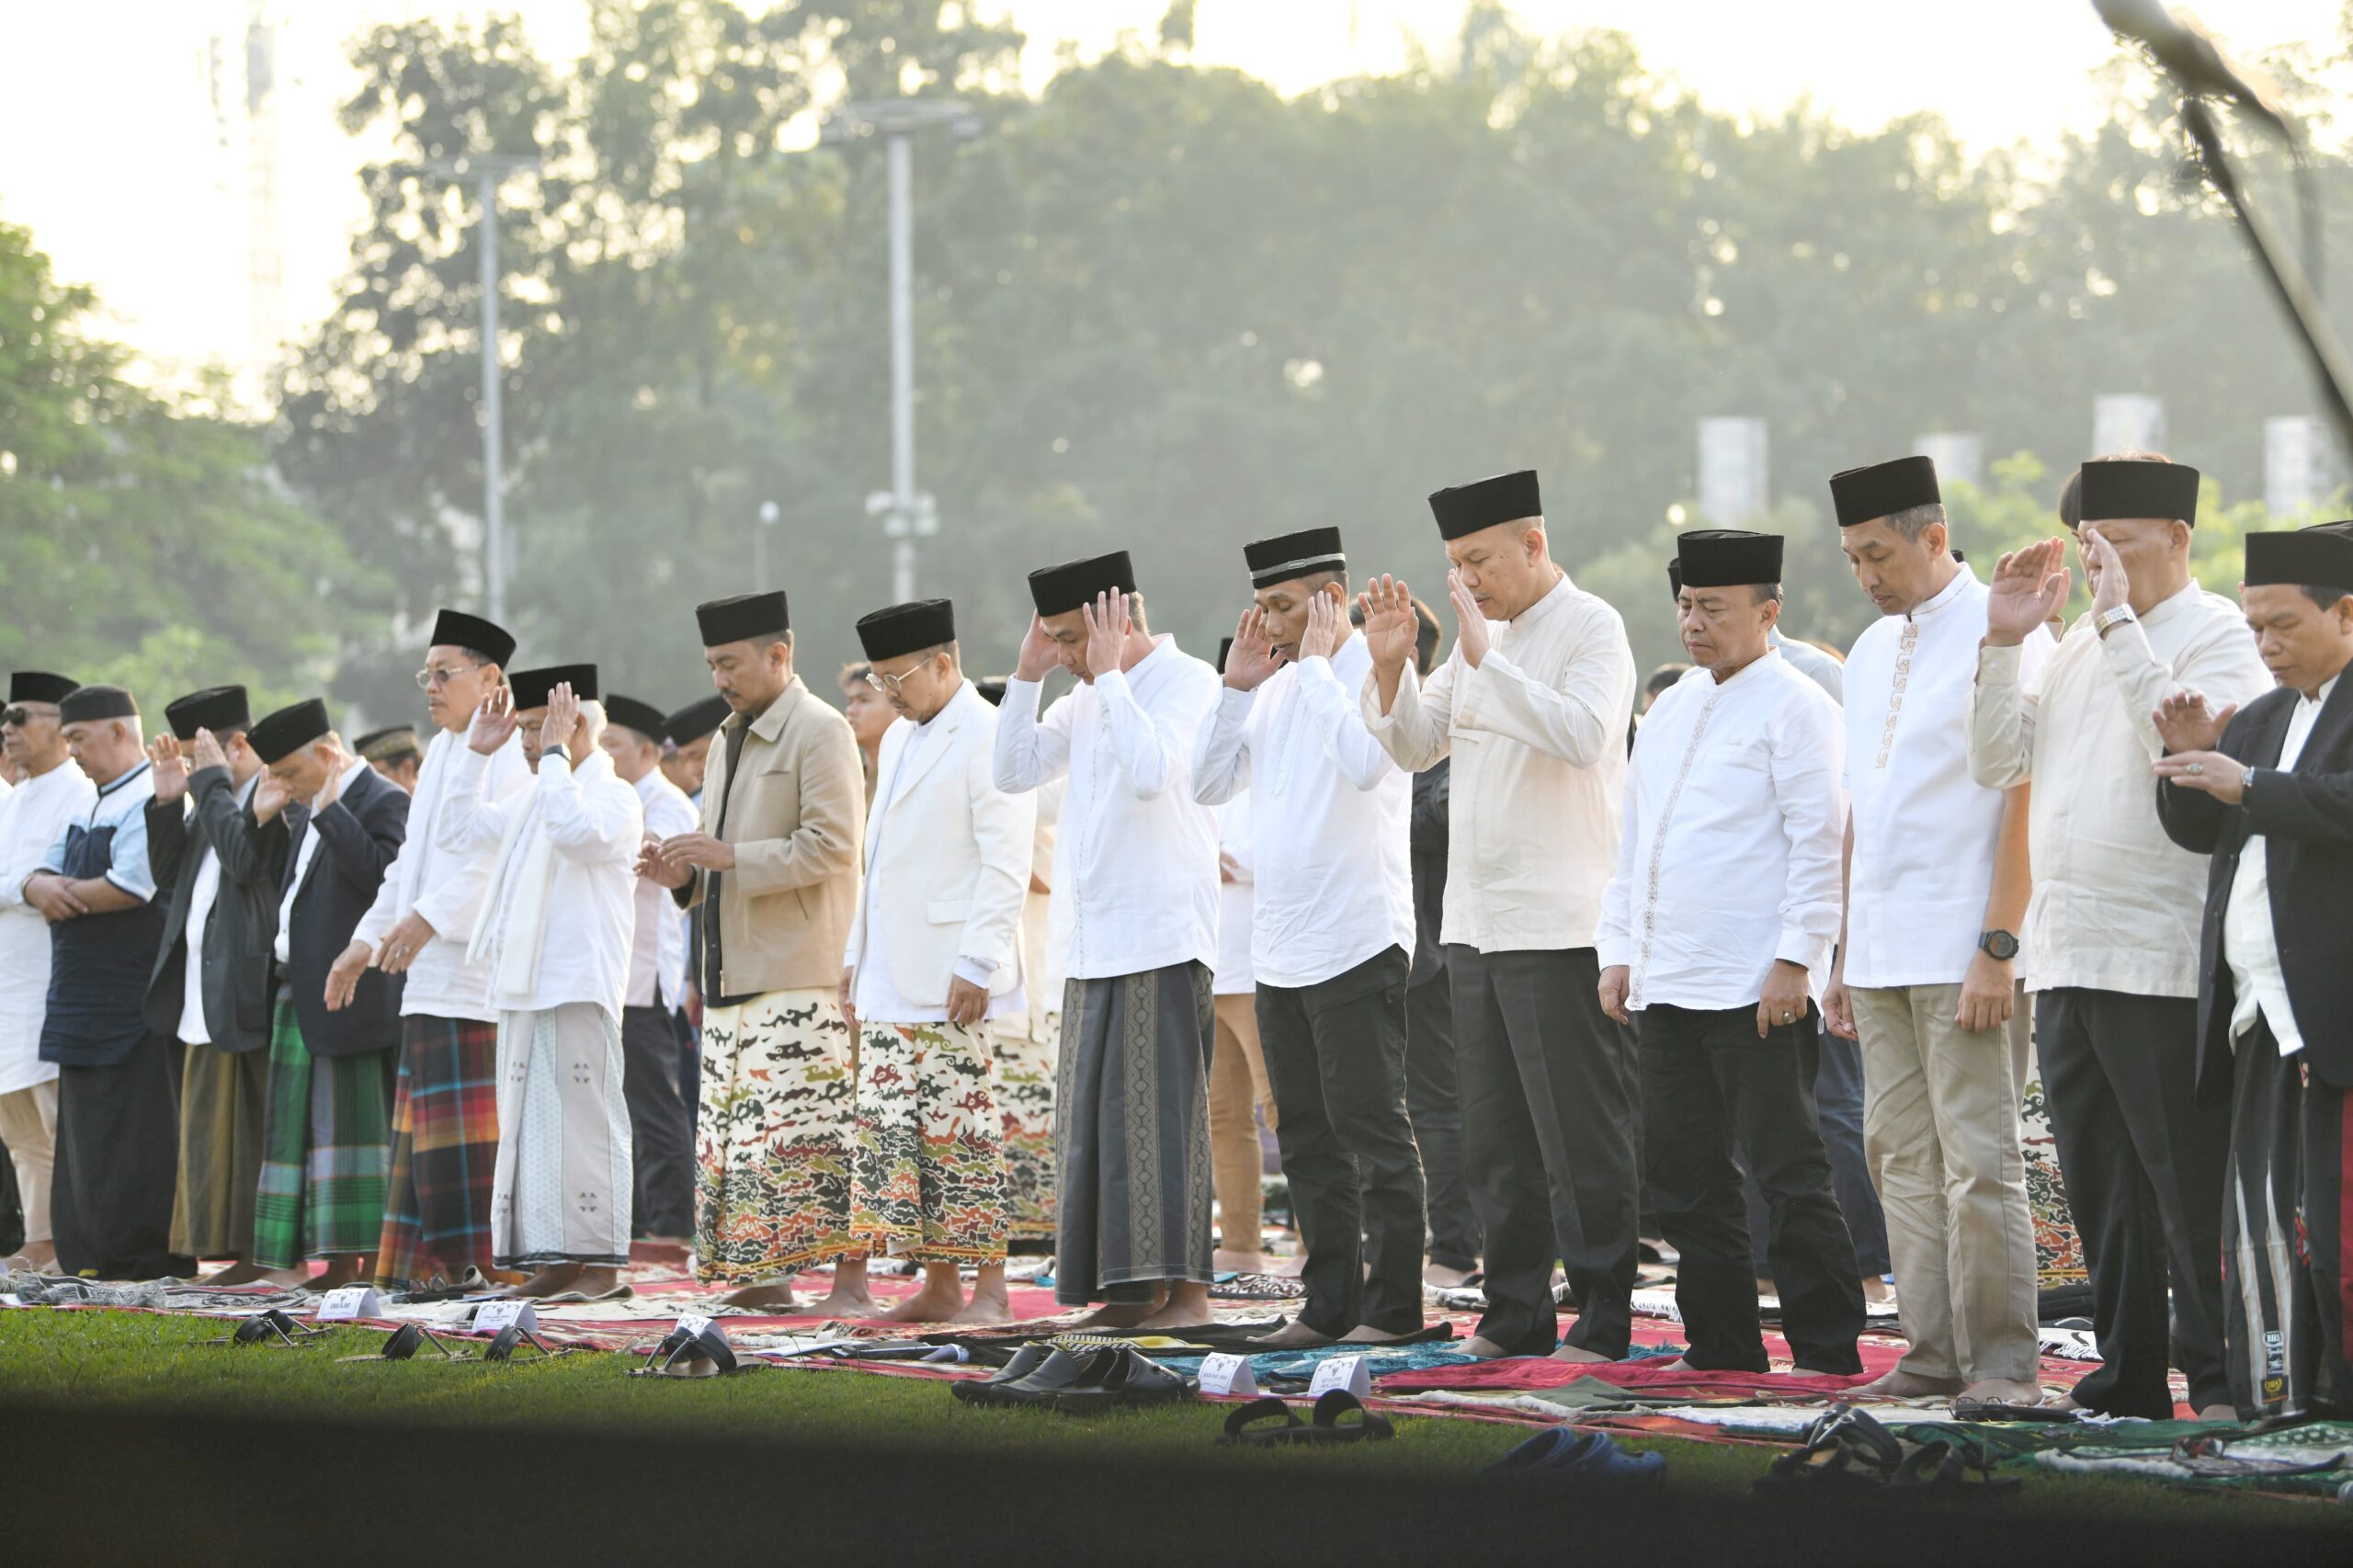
(889, 683)
(441, 675)
(20, 714)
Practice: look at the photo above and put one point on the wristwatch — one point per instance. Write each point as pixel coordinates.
(558, 751)
(1999, 945)
(2108, 620)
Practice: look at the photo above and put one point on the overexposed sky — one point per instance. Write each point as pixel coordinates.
(114, 150)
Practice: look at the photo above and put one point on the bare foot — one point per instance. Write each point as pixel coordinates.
(1365, 1333)
(1125, 1315)
(768, 1296)
(38, 1257)
(597, 1280)
(549, 1282)
(344, 1269)
(2068, 1401)
(2005, 1391)
(925, 1305)
(1438, 1277)
(985, 1309)
(1285, 1268)
(1486, 1349)
(1578, 1353)
(1226, 1262)
(2219, 1412)
(239, 1272)
(1293, 1336)
(1797, 1372)
(1876, 1289)
(1900, 1384)
(842, 1302)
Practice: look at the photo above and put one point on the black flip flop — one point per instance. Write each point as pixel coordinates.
(404, 1344)
(1330, 1426)
(684, 1355)
(1254, 1424)
(272, 1327)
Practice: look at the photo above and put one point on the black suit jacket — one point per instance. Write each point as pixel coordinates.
(358, 836)
(243, 923)
(2306, 819)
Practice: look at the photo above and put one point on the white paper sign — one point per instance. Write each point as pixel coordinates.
(1227, 1374)
(1341, 1372)
(691, 1325)
(11, 1300)
(511, 1311)
(350, 1302)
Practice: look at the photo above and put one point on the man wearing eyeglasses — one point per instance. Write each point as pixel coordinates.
(445, 1111)
(51, 792)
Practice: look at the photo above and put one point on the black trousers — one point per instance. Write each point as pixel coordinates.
(1433, 1102)
(1838, 1113)
(1336, 1061)
(2287, 1298)
(662, 1130)
(117, 1165)
(1549, 1092)
(689, 1049)
(2144, 1165)
(1711, 1088)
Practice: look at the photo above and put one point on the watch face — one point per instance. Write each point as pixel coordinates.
(1999, 945)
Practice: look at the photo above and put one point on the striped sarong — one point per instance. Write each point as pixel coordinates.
(327, 1135)
(445, 1152)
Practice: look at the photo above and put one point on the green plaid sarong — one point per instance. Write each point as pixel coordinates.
(327, 1135)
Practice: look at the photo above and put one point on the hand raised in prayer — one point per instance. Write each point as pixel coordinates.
(1472, 622)
(206, 751)
(2111, 584)
(2184, 725)
(332, 790)
(269, 797)
(1107, 624)
(2224, 777)
(2029, 585)
(656, 870)
(967, 1004)
(1785, 1000)
(1326, 621)
(403, 942)
(563, 720)
(343, 977)
(1989, 994)
(54, 895)
(170, 768)
(1391, 627)
(1617, 982)
(493, 722)
(693, 850)
(1037, 657)
(1252, 658)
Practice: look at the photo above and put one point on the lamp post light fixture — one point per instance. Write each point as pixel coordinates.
(769, 513)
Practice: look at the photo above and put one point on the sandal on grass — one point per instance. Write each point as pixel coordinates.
(402, 1346)
(701, 1354)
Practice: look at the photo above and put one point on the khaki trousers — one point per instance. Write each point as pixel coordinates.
(1941, 1125)
(28, 1125)
(1237, 1084)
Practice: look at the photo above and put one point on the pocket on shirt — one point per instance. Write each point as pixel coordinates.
(948, 911)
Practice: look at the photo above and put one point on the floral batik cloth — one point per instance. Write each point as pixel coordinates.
(2058, 1250)
(1025, 1092)
(930, 1163)
(773, 1136)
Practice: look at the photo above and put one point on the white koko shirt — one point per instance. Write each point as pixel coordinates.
(1736, 829)
(2250, 942)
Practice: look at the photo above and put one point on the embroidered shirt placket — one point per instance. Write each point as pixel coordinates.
(1896, 690)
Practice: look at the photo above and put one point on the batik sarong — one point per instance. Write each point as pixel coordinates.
(1025, 1096)
(773, 1136)
(929, 1170)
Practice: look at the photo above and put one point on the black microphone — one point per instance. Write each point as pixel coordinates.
(2189, 54)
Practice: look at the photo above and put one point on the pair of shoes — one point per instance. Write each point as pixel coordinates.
(1582, 1459)
(1077, 1382)
(1848, 1451)
(702, 1353)
(1253, 1425)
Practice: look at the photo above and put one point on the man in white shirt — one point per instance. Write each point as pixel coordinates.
(1239, 1093)
(1533, 706)
(1332, 936)
(2269, 793)
(52, 791)
(935, 953)
(327, 1131)
(662, 1129)
(1138, 855)
(1716, 933)
(118, 1131)
(445, 1110)
(558, 916)
(1936, 886)
(217, 848)
(2111, 935)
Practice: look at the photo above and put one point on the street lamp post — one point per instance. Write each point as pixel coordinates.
(769, 513)
(486, 170)
(908, 514)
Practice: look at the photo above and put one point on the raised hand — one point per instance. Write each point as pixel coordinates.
(1252, 658)
(2029, 585)
(2110, 584)
(1471, 620)
(563, 720)
(205, 752)
(1037, 657)
(1391, 627)
(170, 768)
(1107, 624)
(493, 722)
(270, 796)
(1326, 623)
(2185, 724)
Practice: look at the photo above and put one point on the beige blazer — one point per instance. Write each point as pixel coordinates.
(952, 865)
(794, 819)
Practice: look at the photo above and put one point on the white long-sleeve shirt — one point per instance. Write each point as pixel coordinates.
(33, 817)
(1538, 734)
(446, 889)
(1330, 819)
(658, 951)
(2250, 941)
(2118, 906)
(1136, 853)
(1735, 827)
(594, 824)
(1233, 975)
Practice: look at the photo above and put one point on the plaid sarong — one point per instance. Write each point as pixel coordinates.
(326, 1133)
(445, 1152)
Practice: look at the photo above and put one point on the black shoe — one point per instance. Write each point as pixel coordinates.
(1062, 1369)
(1131, 1377)
(983, 1390)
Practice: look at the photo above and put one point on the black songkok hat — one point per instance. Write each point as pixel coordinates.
(533, 688)
(2319, 557)
(744, 618)
(279, 734)
(1675, 580)
(389, 744)
(1482, 504)
(219, 709)
(1058, 590)
(1881, 489)
(1728, 558)
(2137, 487)
(907, 629)
(1224, 649)
(632, 715)
(1288, 556)
(992, 689)
(39, 686)
(455, 629)
(85, 703)
(695, 720)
